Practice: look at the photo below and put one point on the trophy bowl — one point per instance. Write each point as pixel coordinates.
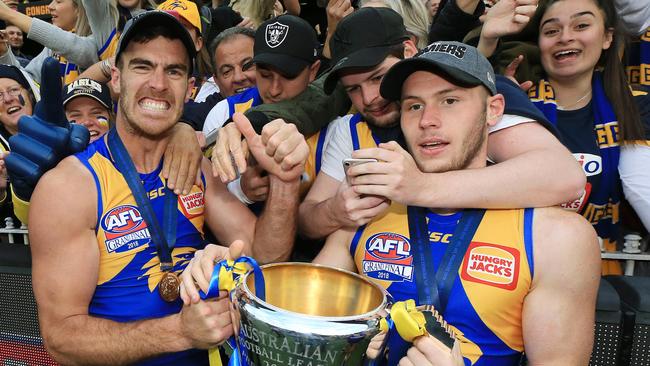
(312, 315)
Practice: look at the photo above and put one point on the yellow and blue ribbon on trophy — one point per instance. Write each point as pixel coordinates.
(227, 275)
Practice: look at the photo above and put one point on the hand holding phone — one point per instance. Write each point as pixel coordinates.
(347, 163)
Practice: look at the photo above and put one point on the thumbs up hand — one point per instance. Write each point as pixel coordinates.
(280, 150)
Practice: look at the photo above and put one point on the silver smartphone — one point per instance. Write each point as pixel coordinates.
(349, 162)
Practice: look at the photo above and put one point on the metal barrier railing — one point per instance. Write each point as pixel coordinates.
(12, 231)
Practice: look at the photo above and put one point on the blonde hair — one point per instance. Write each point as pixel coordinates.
(143, 4)
(257, 10)
(81, 26)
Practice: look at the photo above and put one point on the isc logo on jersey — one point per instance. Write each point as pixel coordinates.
(491, 264)
(192, 204)
(388, 257)
(125, 229)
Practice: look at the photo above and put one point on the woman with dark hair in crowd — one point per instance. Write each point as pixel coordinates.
(600, 118)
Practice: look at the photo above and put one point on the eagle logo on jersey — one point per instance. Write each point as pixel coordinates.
(492, 265)
(125, 229)
(388, 257)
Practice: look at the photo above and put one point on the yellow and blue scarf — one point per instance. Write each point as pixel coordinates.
(637, 59)
(607, 195)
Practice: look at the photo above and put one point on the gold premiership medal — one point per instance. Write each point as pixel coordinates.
(169, 287)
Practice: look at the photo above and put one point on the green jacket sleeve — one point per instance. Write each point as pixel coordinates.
(309, 111)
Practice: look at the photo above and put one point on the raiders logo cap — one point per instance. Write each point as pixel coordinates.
(363, 39)
(287, 43)
(139, 23)
(461, 63)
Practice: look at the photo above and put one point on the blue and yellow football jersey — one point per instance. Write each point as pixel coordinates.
(129, 269)
(362, 137)
(486, 300)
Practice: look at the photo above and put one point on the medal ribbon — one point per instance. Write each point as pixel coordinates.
(227, 275)
(164, 243)
(434, 290)
(404, 318)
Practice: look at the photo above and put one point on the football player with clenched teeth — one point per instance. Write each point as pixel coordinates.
(109, 239)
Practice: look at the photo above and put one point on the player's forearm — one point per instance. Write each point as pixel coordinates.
(535, 179)
(95, 72)
(275, 230)
(83, 340)
(316, 219)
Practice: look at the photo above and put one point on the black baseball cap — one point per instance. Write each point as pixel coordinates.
(85, 87)
(153, 18)
(459, 62)
(14, 73)
(287, 43)
(363, 39)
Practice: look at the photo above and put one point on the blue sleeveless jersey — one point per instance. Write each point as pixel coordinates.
(486, 299)
(129, 269)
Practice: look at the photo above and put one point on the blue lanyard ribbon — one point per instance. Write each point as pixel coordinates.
(164, 243)
(435, 289)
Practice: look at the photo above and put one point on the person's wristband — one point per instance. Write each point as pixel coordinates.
(105, 66)
(235, 189)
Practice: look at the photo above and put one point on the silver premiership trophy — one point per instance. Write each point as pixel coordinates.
(312, 316)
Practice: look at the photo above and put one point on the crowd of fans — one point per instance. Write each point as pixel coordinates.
(320, 65)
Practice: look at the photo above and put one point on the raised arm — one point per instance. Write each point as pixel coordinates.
(455, 19)
(77, 49)
(506, 17)
(282, 151)
(102, 18)
(65, 269)
(310, 111)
